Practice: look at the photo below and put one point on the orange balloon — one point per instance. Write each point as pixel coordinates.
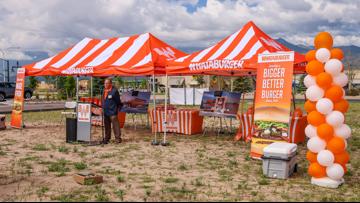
(311, 157)
(342, 106)
(324, 80)
(316, 170)
(310, 55)
(342, 158)
(310, 106)
(335, 93)
(315, 118)
(336, 145)
(325, 131)
(314, 68)
(337, 53)
(323, 40)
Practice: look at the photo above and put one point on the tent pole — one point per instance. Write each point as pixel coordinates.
(231, 89)
(91, 87)
(154, 142)
(164, 143)
(77, 89)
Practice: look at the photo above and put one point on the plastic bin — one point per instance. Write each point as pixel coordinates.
(279, 160)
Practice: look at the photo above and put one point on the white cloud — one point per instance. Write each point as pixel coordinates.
(54, 25)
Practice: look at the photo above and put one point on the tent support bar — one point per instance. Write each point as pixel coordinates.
(91, 87)
(164, 143)
(77, 88)
(154, 142)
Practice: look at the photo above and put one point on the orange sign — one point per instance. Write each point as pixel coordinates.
(18, 106)
(273, 95)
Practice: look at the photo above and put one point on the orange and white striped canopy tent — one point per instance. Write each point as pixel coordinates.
(235, 55)
(138, 55)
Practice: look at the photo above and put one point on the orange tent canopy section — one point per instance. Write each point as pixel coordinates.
(236, 55)
(137, 55)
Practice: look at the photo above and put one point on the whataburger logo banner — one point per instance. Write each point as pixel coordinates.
(217, 64)
(18, 106)
(78, 71)
(273, 90)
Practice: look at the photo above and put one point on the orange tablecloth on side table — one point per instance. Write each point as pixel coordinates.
(182, 121)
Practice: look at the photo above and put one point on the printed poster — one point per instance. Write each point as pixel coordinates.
(84, 113)
(173, 122)
(273, 95)
(220, 104)
(135, 102)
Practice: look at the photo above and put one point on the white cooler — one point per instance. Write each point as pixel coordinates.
(279, 160)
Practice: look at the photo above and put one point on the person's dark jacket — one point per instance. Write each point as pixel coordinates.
(112, 103)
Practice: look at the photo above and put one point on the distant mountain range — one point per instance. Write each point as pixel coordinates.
(352, 53)
(352, 56)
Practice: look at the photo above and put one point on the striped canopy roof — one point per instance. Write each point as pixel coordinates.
(234, 55)
(137, 55)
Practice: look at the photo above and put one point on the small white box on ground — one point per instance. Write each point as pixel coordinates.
(279, 160)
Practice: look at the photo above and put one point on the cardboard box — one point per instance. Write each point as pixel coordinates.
(87, 178)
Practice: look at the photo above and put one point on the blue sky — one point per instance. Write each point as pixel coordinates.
(51, 26)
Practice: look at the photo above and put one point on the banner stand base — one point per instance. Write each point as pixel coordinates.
(155, 143)
(165, 144)
(326, 182)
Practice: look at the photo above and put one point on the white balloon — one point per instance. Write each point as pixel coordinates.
(326, 158)
(322, 55)
(309, 81)
(316, 144)
(324, 106)
(335, 119)
(335, 172)
(310, 131)
(341, 80)
(314, 93)
(343, 131)
(333, 67)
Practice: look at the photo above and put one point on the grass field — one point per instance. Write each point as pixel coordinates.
(37, 165)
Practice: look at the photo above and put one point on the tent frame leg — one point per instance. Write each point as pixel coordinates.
(155, 142)
(164, 142)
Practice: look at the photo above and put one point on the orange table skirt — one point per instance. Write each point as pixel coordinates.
(297, 128)
(96, 120)
(182, 121)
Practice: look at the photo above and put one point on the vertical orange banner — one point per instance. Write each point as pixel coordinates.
(18, 106)
(273, 95)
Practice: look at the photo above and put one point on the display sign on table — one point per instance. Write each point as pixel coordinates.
(135, 102)
(220, 104)
(84, 122)
(172, 121)
(18, 106)
(273, 97)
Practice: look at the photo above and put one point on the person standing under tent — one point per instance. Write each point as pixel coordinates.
(111, 106)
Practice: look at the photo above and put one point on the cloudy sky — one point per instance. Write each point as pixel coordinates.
(53, 25)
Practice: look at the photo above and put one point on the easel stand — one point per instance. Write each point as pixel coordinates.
(220, 129)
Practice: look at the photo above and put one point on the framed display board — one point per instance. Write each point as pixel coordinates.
(135, 102)
(220, 104)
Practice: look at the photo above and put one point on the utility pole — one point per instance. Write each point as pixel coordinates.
(8, 70)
